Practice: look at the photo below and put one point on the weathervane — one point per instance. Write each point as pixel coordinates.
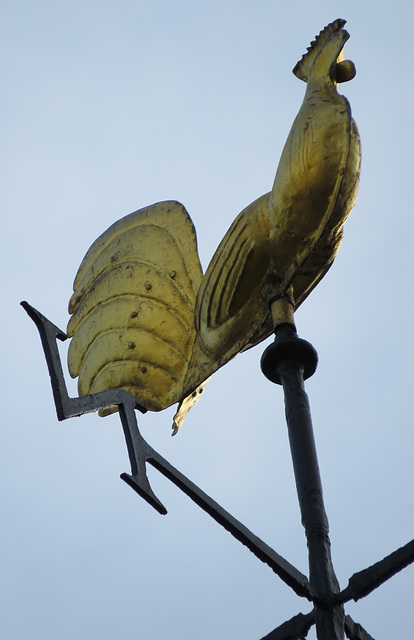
(148, 328)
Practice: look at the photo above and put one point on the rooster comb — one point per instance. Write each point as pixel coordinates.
(302, 68)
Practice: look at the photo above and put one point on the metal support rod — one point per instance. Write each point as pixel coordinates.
(287, 361)
(364, 582)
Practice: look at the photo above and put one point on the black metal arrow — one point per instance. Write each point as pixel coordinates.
(140, 452)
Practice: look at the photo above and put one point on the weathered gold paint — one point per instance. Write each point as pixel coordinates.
(145, 319)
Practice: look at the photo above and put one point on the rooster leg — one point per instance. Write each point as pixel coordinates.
(282, 311)
(281, 307)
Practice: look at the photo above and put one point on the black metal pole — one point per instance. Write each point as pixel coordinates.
(288, 361)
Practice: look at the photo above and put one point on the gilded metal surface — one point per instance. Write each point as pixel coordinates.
(289, 237)
(144, 319)
(133, 307)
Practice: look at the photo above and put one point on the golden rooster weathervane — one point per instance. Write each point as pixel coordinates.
(148, 328)
(145, 319)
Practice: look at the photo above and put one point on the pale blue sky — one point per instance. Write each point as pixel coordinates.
(111, 106)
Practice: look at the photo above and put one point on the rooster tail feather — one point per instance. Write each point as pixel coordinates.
(132, 309)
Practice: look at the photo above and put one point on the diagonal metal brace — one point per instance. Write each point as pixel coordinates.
(363, 582)
(286, 571)
(140, 452)
(354, 631)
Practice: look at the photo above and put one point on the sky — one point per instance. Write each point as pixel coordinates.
(111, 106)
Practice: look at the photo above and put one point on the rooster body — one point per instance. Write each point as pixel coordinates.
(147, 320)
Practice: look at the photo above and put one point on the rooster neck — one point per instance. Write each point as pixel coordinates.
(322, 87)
